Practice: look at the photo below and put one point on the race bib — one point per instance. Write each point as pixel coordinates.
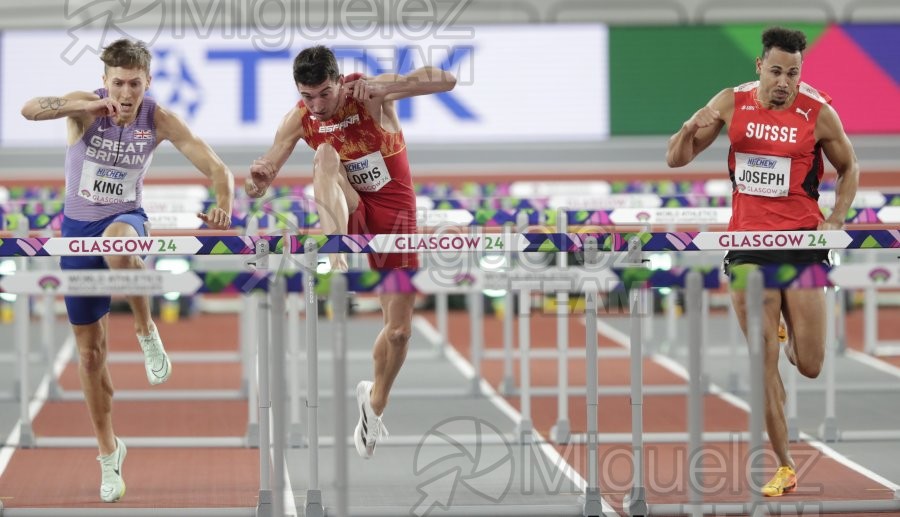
(369, 173)
(761, 175)
(105, 185)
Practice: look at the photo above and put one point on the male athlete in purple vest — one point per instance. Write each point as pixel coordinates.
(112, 133)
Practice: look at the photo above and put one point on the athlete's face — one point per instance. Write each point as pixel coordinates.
(779, 76)
(323, 99)
(126, 86)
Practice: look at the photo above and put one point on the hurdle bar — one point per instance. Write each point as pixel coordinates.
(869, 207)
(461, 242)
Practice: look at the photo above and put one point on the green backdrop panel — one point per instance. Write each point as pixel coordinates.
(660, 75)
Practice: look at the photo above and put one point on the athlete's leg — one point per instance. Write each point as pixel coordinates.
(140, 305)
(95, 380)
(776, 423)
(804, 313)
(391, 345)
(335, 197)
(157, 364)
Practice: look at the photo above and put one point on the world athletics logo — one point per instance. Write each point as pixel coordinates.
(880, 275)
(49, 283)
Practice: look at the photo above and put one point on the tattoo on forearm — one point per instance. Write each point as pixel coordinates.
(50, 105)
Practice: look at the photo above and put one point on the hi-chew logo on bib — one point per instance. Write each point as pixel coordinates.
(369, 173)
(107, 185)
(760, 175)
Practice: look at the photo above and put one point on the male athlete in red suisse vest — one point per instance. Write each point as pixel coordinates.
(779, 129)
(362, 185)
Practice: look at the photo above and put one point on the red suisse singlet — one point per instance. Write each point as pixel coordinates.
(374, 160)
(774, 162)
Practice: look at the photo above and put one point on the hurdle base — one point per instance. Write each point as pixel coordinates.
(264, 504)
(26, 436)
(525, 432)
(297, 438)
(54, 390)
(593, 505)
(314, 506)
(635, 502)
(561, 432)
(828, 431)
(793, 430)
(734, 383)
(507, 386)
(252, 436)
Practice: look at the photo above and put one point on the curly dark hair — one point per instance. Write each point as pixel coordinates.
(785, 39)
(315, 64)
(125, 53)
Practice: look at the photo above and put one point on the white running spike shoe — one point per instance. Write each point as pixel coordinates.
(370, 428)
(156, 361)
(112, 486)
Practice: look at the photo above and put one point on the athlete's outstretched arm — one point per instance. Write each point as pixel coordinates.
(76, 104)
(389, 87)
(699, 131)
(170, 127)
(266, 167)
(839, 151)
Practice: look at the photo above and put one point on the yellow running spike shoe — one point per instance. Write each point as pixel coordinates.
(785, 480)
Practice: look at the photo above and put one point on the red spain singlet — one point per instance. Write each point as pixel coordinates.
(376, 165)
(774, 162)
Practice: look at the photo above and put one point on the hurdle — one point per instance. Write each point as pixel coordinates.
(521, 243)
(136, 283)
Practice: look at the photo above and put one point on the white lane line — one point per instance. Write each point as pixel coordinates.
(847, 462)
(422, 325)
(878, 364)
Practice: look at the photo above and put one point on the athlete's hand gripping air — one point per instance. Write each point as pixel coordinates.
(704, 117)
(262, 173)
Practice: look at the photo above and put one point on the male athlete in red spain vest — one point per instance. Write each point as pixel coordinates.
(376, 167)
(362, 185)
(779, 129)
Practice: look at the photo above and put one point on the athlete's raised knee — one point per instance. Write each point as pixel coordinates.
(122, 262)
(809, 367)
(326, 159)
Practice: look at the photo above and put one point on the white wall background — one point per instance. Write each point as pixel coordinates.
(516, 83)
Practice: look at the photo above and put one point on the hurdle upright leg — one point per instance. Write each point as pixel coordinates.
(828, 430)
(636, 500)
(341, 468)
(697, 302)
(593, 506)
(754, 304)
(314, 505)
(22, 332)
(561, 433)
(277, 295)
(264, 504)
(525, 426)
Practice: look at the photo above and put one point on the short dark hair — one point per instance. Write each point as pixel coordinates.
(315, 64)
(785, 39)
(125, 53)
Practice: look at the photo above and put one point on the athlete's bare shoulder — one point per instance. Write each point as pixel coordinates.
(723, 102)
